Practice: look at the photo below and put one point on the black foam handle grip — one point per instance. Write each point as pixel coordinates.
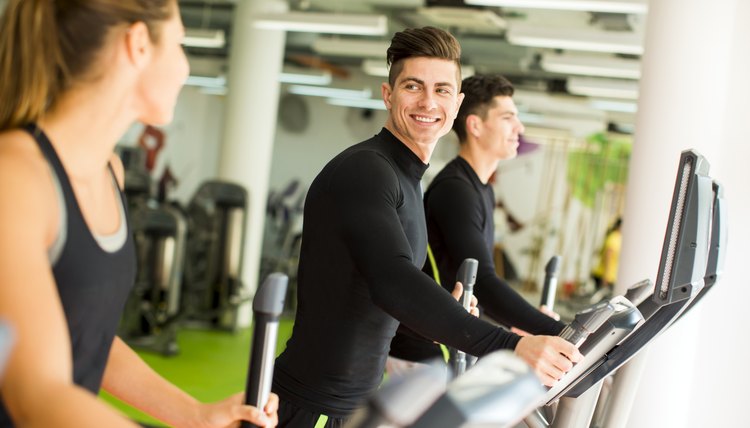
(268, 304)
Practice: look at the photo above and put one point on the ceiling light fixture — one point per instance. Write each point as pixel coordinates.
(335, 46)
(375, 67)
(317, 22)
(378, 68)
(324, 91)
(207, 81)
(204, 38)
(575, 39)
(600, 87)
(614, 106)
(305, 77)
(477, 20)
(556, 104)
(608, 6)
(369, 103)
(589, 65)
(288, 75)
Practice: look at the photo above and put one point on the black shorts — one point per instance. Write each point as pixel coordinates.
(291, 416)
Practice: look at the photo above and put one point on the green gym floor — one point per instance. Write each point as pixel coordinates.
(210, 366)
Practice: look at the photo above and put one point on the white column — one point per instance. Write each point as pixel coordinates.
(721, 379)
(255, 62)
(688, 99)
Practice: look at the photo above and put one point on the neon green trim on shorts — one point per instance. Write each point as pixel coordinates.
(436, 275)
(322, 420)
(446, 353)
(433, 265)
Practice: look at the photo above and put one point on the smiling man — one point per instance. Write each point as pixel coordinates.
(459, 206)
(364, 243)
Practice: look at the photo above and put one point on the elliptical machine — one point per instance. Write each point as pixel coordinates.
(150, 317)
(213, 289)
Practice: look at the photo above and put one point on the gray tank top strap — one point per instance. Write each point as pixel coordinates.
(112, 243)
(109, 243)
(54, 251)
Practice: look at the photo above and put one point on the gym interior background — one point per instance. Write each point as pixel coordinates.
(609, 99)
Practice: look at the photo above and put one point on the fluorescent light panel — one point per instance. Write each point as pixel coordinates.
(316, 22)
(614, 106)
(204, 38)
(558, 105)
(368, 103)
(322, 78)
(607, 88)
(378, 67)
(213, 82)
(291, 75)
(375, 67)
(575, 39)
(478, 20)
(335, 46)
(592, 66)
(324, 91)
(609, 6)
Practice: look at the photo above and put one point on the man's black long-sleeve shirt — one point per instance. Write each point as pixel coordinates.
(363, 245)
(460, 225)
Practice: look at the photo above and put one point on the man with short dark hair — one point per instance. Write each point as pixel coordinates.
(364, 242)
(459, 205)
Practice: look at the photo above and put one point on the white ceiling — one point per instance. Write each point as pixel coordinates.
(485, 34)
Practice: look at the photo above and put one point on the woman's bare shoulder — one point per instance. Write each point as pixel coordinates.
(19, 154)
(24, 172)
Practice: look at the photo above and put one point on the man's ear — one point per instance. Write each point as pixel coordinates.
(138, 44)
(386, 91)
(473, 125)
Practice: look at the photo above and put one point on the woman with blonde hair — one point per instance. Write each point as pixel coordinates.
(74, 75)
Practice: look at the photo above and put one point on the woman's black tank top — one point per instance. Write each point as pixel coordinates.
(93, 284)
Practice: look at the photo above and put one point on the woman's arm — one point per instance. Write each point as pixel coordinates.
(130, 379)
(37, 388)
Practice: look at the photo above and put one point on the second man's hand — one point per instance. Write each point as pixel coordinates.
(549, 356)
(458, 290)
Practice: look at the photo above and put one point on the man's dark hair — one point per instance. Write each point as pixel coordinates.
(428, 42)
(479, 91)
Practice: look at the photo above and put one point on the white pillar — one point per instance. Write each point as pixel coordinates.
(255, 61)
(689, 81)
(721, 378)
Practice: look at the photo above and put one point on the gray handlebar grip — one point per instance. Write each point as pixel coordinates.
(467, 276)
(587, 322)
(550, 282)
(270, 296)
(268, 305)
